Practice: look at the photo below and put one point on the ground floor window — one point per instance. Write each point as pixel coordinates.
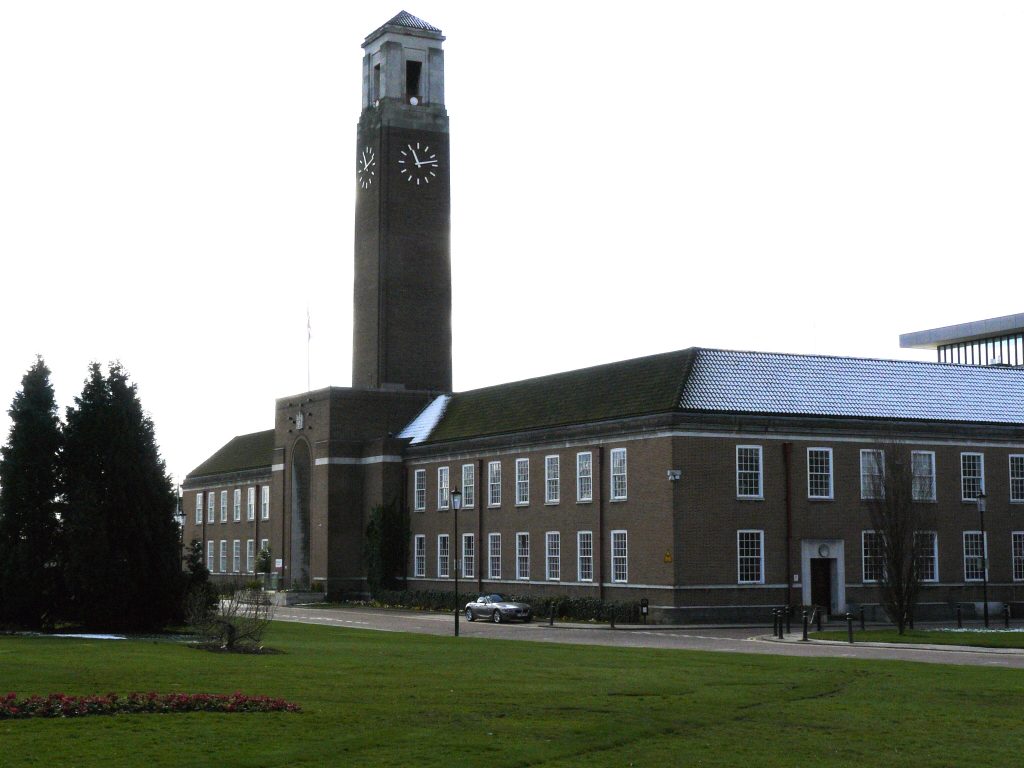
(1018, 555)
(553, 560)
(250, 555)
(236, 556)
(494, 556)
(926, 551)
(750, 556)
(419, 557)
(974, 556)
(522, 555)
(468, 556)
(620, 557)
(442, 556)
(210, 564)
(872, 560)
(585, 556)
(223, 556)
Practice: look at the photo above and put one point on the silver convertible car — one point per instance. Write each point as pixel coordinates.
(496, 608)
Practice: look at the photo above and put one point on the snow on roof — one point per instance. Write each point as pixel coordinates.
(419, 429)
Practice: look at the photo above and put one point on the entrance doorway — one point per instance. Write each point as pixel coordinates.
(821, 582)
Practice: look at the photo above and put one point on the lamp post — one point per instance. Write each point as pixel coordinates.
(456, 496)
(984, 557)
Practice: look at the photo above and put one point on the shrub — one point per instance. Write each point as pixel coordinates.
(61, 705)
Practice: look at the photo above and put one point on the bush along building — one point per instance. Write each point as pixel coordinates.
(716, 484)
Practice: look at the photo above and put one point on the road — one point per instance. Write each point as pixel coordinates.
(722, 639)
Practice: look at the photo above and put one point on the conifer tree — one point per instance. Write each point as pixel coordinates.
(121, 537)
(29, 507)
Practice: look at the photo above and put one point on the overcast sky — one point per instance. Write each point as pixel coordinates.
(177, 185)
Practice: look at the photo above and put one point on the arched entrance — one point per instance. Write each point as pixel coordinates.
(300, 515)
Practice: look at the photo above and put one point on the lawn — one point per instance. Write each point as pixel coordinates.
(993, 638)
(376, 698)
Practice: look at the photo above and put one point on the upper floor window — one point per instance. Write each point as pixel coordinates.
(872, 473)
(250, 503)
(922, 465)
(748, 472)
(972, 475)
(265, 502)
(552, 488)
(223, 506)
(522, 482)
(618, 460)
(1017, 478)
(494, 484)
(584, 476)
(468, 485)
(442, 487)
(419, 494)
(210, 504)
(199, 508)
(819, 473)
(236, 505)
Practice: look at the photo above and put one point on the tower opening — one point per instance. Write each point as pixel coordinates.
(375, 86)
(412, 81)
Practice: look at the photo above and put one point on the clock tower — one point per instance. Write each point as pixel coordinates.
(402, 302)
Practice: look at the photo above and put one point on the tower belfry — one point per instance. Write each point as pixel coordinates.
(402, 298)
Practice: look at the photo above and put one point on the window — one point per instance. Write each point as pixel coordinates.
(553, 559)
(748, 472)
(618, 456)
(468, 485)
(442, 556)
(210, 564)
(750, 556)
(265, 545)
(494, 556)
(250, 503)
(468, 556)
(585, 556)
(620, 557)
(872, 474)
(975, 551)
(223, 506)
(922, 465)
(522, 482)
(522, 555)
(926, 555)
(236, 506)
(236, 556)
(419, 561)
(210, 506)
(584, 476)
(199, 508)
(494, 484)
(552, 491)
(972, 475)
(223, 556)
(250, 554)
(1018, 555)
(442, 487)
(265, 502)
(819, 473)
(419, 502)
(1016, 478)
(872, 560)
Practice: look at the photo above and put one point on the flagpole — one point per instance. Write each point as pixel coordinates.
(309, 335)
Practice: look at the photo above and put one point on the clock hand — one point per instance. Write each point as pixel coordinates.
(415, 159)
(426, 162)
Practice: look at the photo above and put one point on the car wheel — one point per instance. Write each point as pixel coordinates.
(496, 617)
(469, 615)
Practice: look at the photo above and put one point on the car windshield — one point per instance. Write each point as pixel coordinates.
(496, 598)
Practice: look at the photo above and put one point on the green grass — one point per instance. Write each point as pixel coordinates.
(993, 638)
(375, 698)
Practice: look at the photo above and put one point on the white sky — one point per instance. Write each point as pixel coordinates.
(177, 183)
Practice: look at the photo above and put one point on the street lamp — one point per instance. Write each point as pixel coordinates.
(456, 496)
(984, 556)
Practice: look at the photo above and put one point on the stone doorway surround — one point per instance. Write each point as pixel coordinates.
(830, 549)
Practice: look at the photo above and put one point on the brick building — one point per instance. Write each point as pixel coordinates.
(711, 482)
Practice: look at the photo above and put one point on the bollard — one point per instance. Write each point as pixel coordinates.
(551, 615)
(613, 618)
(849, 626)
(862, 618)
(959, 618)
(775, 621)
(804, 638)
(788, 611)
(817, 617)
(1006, 615)
(782, 626)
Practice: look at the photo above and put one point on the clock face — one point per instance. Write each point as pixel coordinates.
(366, 167)
(417, 163)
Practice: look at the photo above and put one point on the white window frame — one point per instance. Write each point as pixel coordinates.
(877, 553)
(211, 507)
(584, 477)
(211, 555)
(1016, 479)
(1017, 555)
(816, 476)
(419, 555)
(522, 482)
(419, 490)
(223, 506)
(494, 556)
(742, 558)
(522, 556)
(265, 502)
(265, 545)
(494, 484)
(236, 556)
(933, 555)
(223, 555)
(236, 505)
(984, 555)
(619, 551)
(966, 479)
(443, 487)
(922, 485)
(443, 556)
(250, 555)
(250, 503)
(744, 472)
(199, 508)
(468, 485)
(553, 556)
(552, 479)
(584, 556)
(618, 472)
(872, 483)
(468, 564)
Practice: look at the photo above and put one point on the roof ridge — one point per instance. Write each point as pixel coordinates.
(929, 363)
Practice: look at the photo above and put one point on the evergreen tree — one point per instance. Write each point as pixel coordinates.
(123, 554)
(29, 508)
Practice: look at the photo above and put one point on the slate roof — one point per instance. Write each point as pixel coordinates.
(726, 381)
(406, 19)
(252, 451)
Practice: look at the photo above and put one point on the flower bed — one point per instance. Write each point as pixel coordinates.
(60, 705)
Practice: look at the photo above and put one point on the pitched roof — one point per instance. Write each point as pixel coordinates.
(252, 451)
(726, 381)
(406, 19)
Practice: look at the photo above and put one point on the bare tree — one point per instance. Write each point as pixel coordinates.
(891, 550)
(239, 621)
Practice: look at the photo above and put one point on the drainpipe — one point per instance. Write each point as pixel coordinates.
(599, 490)
(483, 548)
(787, 461)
